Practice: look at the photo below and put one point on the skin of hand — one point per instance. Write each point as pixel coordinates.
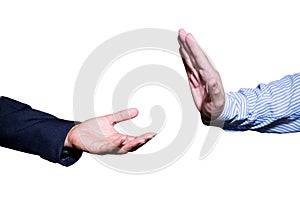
(204, 80)
(98, 135)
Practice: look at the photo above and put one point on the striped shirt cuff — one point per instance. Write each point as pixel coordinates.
(236, 107)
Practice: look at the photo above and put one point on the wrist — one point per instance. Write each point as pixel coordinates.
(68, 141)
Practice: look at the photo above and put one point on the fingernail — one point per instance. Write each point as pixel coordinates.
(142, 141)
(134, 112)
(152, 136)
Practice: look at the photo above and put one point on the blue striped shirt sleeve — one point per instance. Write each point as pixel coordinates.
(270, 108)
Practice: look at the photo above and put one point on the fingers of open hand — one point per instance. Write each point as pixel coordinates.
(181, 38)
(192, 74)
(189, 66)
(200, 61)
(185, 50)
(110, 145)
(187, 61)
(198, 55)
(133, 143)
(118, 140)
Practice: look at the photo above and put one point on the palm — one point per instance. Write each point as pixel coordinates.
(201, 98)
(99, 136)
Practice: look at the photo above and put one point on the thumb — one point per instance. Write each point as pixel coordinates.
(215, 91)
(123, 115)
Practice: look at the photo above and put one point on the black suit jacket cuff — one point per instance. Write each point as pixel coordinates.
(25, 129)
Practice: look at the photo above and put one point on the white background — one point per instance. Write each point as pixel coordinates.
(43, 45)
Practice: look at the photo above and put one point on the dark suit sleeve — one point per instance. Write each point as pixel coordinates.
(25, 129)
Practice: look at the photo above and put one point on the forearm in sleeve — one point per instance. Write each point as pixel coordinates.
(25, 129)
(273, 107)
